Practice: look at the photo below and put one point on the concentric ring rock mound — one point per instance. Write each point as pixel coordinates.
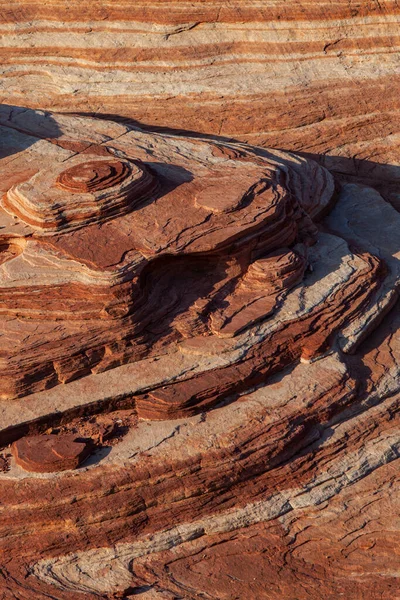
(216, 325)
(86, 189)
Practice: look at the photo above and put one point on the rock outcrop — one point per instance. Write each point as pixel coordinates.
(160, 241)
(199, 369)
(50, 453)
(318, 77)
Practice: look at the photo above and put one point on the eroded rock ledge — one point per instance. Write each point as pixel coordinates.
(216, 325)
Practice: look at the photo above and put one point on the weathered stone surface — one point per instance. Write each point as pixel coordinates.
(90, 276)
(87, 189)
(231, 324)
(317, 77)
(49, 453)
(288, 488)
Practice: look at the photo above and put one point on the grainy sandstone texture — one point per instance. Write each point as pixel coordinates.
(216, 324)
(199, 334)
(311, 76)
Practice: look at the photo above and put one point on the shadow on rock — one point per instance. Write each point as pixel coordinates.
(21, 127)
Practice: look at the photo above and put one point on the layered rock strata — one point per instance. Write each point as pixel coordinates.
(80, 192)
(221, 334)
(50, 453)
(98, 250)
(317, 77)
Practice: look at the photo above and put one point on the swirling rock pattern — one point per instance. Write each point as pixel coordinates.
(84, 190)
(93, 176)
(318, 77)
(97, 265)
(217, 325)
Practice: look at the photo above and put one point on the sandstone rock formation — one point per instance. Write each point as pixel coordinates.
(318, 77)
(50, 453)
(101, 235)
(221, 321)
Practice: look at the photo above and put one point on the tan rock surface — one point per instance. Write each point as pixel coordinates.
(237, 281)
(220, 321)
(318, 77)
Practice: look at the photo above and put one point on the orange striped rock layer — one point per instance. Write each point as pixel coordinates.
(318, 77)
